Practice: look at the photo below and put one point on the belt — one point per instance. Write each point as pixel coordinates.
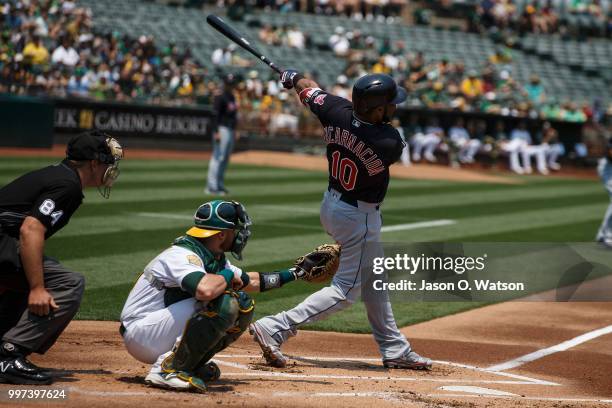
(122, 330)
(349, 200)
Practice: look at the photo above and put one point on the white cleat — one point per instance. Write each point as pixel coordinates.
(175, 381)
(410, 360)
(269, 346)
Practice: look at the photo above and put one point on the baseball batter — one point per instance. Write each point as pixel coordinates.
(190, 301)
(361, 145)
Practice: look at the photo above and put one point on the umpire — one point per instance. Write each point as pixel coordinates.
(39, 296)
(226, 116)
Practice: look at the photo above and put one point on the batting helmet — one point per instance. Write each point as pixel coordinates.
(374, 90)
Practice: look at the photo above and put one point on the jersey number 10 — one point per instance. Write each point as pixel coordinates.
(344, 170)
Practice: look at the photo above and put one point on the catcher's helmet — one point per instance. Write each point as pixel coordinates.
(218, 215)
(374, 90)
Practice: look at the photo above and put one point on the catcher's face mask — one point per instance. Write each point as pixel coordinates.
(112, 171)
(242, 230)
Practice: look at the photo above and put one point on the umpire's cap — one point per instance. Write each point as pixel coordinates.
(218, 215)
(94, 145)
(374, 90)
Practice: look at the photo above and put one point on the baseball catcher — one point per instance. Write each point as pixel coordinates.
(191, 302)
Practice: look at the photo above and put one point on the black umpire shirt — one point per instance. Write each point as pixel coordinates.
(51, 195)
(358, 153)
(225, 109)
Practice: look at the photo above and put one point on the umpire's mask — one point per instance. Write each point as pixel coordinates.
(112, 159)
(97, 145)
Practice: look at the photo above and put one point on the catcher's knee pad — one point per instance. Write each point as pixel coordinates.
(246, 309)
(203, 333)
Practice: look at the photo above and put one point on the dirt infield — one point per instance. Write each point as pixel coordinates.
(345, 370)
(287, 160)
(308, 162)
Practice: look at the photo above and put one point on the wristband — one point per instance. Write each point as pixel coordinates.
(246, 279)
(269, 281)
(296, 78)
(275, 280)
(228, 275)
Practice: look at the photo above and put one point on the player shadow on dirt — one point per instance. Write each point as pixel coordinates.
(60, 375)
(352, 365)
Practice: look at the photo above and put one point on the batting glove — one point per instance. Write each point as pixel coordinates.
(287, 77)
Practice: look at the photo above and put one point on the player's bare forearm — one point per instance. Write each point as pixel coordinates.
(32, 243)
(210, 287)
(305, 83)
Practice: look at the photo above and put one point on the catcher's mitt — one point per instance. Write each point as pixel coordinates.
(318, 265)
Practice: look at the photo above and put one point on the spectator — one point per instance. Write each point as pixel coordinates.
(535, 91)
(435, 98)
(339, 42)
(461, 140)
(552, 146)
(340, 88)
(571, 113)
(471, 87)
(551, 110)
(425, 144)
(522, 137)
(267, 34)
(405, 157)
(223, 56)
(65, 54)
(35, 52)
(295, 38)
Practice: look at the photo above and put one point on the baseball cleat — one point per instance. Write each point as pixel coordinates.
(268, 345)
(410, 360)
(19, 370)
(175, 381)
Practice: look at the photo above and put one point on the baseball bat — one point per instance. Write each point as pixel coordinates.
(221, 26)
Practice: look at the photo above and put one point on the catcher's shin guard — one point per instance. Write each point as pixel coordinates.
(210, 331)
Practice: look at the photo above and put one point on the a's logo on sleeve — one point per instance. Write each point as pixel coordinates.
(319, 99)
(194, 260)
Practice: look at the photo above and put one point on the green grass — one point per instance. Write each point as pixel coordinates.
(111, 241)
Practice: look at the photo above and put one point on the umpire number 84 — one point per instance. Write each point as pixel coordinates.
(344, 170)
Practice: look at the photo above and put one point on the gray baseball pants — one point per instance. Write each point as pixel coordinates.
(355, 229)
(32, 332)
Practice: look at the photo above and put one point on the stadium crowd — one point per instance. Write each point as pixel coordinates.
(368, 10)
(579, 18)
(539, 18)
(448, 85)
(49, 47)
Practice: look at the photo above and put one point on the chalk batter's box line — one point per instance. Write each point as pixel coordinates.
(560, 399)
(522, 380)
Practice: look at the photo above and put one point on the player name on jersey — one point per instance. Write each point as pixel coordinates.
(342, 137)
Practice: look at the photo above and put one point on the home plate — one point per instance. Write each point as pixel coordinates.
(476, 390)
